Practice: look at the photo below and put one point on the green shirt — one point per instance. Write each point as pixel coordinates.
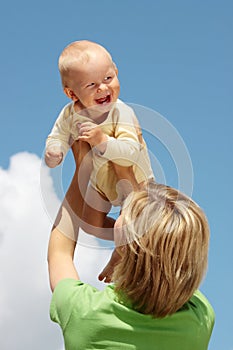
(94, 319)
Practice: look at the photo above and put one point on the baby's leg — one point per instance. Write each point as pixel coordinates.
(95, 219)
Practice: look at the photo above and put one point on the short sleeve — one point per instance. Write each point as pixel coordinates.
(61, 304)
(206, 309)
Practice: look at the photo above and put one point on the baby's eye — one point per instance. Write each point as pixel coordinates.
(90, 85)
(108, 78)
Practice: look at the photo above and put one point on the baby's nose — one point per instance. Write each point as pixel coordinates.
(102, 87)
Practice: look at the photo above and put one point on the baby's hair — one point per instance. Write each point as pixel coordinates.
(165, 257)
(75, 53)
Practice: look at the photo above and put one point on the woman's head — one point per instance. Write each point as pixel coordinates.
(164, 247)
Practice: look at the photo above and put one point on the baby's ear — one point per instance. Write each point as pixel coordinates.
(70, 94)
(115, 68)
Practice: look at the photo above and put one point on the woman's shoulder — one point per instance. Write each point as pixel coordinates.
(201, 307)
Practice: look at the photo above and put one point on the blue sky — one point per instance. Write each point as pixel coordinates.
(174, 57)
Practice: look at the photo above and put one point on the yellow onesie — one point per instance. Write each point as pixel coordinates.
(125, 147)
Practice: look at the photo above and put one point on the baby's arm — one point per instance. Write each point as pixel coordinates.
(126, 174)
(93, 134)
(125, 148)
(53, 156)
(122, 149)
(57, 143)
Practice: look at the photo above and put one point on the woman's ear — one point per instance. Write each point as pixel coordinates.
(70, 94)
(119, 235)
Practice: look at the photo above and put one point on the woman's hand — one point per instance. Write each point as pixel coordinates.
(106, 274)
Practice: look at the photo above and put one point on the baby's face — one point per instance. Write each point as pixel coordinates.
(95, 84)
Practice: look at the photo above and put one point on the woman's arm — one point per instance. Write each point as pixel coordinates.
(65, 231)
(60, 258)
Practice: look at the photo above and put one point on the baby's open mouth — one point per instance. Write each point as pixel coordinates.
(104, 100)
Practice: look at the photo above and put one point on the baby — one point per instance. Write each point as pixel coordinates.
(96, 116)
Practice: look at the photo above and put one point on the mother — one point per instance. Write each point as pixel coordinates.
(160, 259)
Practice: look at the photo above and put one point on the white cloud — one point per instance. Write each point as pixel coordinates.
(24, 232)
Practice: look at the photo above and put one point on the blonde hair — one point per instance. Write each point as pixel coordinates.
(75, 53)
(165, 257)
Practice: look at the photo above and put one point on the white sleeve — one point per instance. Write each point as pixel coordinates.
(60, 133)
(124, 148)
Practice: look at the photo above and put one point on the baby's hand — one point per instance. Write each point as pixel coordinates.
(53, 157)
(91, 133)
